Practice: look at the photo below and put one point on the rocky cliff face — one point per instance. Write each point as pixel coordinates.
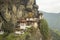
(12, 10)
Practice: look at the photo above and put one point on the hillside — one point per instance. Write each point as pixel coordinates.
(53, 20)
(55, 35)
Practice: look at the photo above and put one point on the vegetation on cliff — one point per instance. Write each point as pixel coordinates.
(12, 11)
(44, 29)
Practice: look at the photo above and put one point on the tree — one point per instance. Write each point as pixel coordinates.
(7, 27)
(43, 26)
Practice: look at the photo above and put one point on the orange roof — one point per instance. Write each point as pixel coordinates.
(22, 21)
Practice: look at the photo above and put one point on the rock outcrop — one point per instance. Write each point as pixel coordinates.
(13, 10)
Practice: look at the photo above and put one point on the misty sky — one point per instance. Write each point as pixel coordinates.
(52, 6)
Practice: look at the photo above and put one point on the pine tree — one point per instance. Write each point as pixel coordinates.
(43, 26)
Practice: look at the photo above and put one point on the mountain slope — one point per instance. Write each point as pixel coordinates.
(53, 20)
(55, 35)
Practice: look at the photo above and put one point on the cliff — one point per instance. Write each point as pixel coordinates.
(15, 14)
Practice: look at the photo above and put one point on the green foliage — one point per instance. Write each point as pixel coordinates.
(1, 37)
(55, 35)
(31, 30)
(57, 32)
(12, 36)
(30, 34)
(44, 29)
(8, 27)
